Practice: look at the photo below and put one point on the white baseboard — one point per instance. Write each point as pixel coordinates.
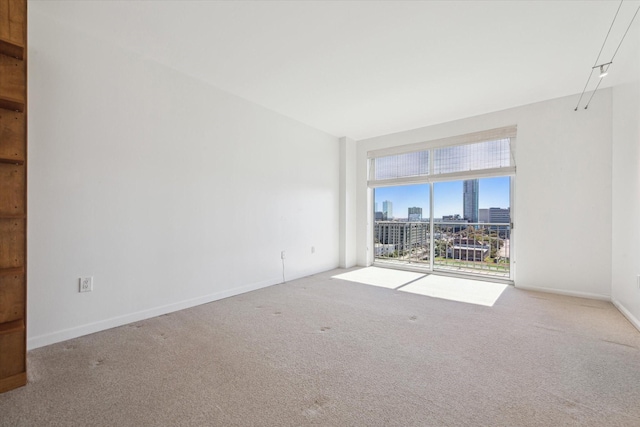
(626, 313)
(565, 292)
(90, 328)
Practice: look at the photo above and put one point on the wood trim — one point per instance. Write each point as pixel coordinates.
(12, 49)
(13, 97)
(13, 326)
(15, 381)
(11, 104)
(11, 161)
(12, 216)
(11, 270)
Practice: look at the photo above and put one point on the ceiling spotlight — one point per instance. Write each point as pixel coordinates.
(603, 72)
(604, 68)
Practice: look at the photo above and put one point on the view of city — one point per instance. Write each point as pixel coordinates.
(471, 226)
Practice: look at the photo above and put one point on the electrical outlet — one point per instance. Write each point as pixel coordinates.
(86, 284)
(282, 255)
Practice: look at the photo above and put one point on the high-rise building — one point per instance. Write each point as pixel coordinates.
(403, 235)
(387, 209)
(415, 214)
(500, 215)
(470, 200)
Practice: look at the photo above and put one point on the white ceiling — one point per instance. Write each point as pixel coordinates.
(367, 68)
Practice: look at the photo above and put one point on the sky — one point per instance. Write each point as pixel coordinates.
(493, 193)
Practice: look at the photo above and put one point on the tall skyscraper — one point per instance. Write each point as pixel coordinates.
(470, 200)
(415, 214)
(387, 209)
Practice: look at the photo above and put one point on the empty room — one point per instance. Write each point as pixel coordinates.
(332, 213)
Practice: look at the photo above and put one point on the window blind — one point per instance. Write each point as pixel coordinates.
(401, 165)
(488, 153)
(470, 157)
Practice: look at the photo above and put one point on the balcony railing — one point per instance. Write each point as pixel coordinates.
(474, 248)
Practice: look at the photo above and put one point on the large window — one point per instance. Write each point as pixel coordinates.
(446, 205)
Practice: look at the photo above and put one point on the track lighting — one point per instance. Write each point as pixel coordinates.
(604, 68)
(603, 72)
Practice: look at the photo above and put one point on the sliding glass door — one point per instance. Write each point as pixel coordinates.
(402, 231)
(472, 226)
(461, 226)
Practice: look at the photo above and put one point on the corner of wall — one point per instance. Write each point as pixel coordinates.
(347, 202)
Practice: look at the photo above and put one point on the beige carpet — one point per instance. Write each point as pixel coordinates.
(324, 351)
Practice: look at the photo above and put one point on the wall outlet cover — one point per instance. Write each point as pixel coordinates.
(86, 284)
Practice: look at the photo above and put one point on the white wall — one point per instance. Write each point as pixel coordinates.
(625, 253)
(168, 191)
(562, 204)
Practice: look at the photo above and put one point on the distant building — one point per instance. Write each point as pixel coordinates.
(483, 215)
(469, 250)
(380, 216)
(500, 215)
(453, 223)
(384, 250)
(454, 217)
(415, 214)
(387, 209)
(470, 199)
(403, 236)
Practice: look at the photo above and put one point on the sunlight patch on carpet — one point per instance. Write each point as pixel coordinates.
(383, 277)
(456, 289)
